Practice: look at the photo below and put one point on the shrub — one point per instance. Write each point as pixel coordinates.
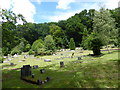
(27, 47)
(37, 44)
(18, 49)
(92, 42)
(31, 52)
(72, 44)
(49, 43)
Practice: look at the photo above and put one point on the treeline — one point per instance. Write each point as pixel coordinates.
(45, 38)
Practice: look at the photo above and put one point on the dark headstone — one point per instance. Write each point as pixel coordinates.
(79, 58)
(61, 64)
(42, 70)
(11, 64)
(26, 71)
(39, 82)
(48, 78)
(33, 75)
(35, 66)
(72, 55)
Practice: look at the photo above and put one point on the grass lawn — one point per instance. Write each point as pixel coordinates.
(90, 72)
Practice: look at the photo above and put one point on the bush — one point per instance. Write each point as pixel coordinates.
(72, 44)
(37, 44)
(92, 42)
(49, 43)
(31, 52)
(18, 49)
(27, 47)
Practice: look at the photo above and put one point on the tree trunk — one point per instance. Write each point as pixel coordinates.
(96, 51)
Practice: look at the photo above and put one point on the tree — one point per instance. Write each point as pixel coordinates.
(92, 42)
(49, 43)
(9, 21)
(58, 35)
(37, 44)
(104, 25)
(18, 49)
(72, 44)
(27, 47)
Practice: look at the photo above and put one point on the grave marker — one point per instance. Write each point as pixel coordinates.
(11, 64)
(35, 66)
(33, 75)
(61, 64)
(79, 58)
(48, 79)
(39, 82)
(26, 71)
(42, 71)
(47, 60)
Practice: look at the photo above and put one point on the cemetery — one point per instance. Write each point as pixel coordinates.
(59, 44)
(49, 74)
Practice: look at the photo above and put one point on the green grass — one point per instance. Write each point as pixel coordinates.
(93, 72)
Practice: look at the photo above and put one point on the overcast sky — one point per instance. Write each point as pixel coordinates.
(40, 11)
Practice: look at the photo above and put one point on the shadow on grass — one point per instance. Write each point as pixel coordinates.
(60, 79)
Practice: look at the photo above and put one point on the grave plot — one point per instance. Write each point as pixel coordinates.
(28, 76)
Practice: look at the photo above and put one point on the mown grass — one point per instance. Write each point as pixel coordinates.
(90, 72)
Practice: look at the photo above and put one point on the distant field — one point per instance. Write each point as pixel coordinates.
(90, 72)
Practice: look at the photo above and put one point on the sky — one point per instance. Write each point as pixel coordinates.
(41, 11)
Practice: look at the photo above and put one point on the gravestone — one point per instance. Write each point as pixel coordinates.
(35, 66)
(79, 58)
(39, 82)
(26, 71)
(61, 64)
(72, 55)
(33, 75)
(42, 70)
(11, 64)
(48, 79)
(45, 81)
(47, 60)
(61, 53)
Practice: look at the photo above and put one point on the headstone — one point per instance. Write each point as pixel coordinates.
(72, 55)
(25, 56)
(15, 55)
(45, 81)
(42, 70)
(35, 66)
(33, 75)
(47, 60)
(61, 64)
(26, 71)
(48, 78)
(39, 82)
(11, 64)
(79, 58)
